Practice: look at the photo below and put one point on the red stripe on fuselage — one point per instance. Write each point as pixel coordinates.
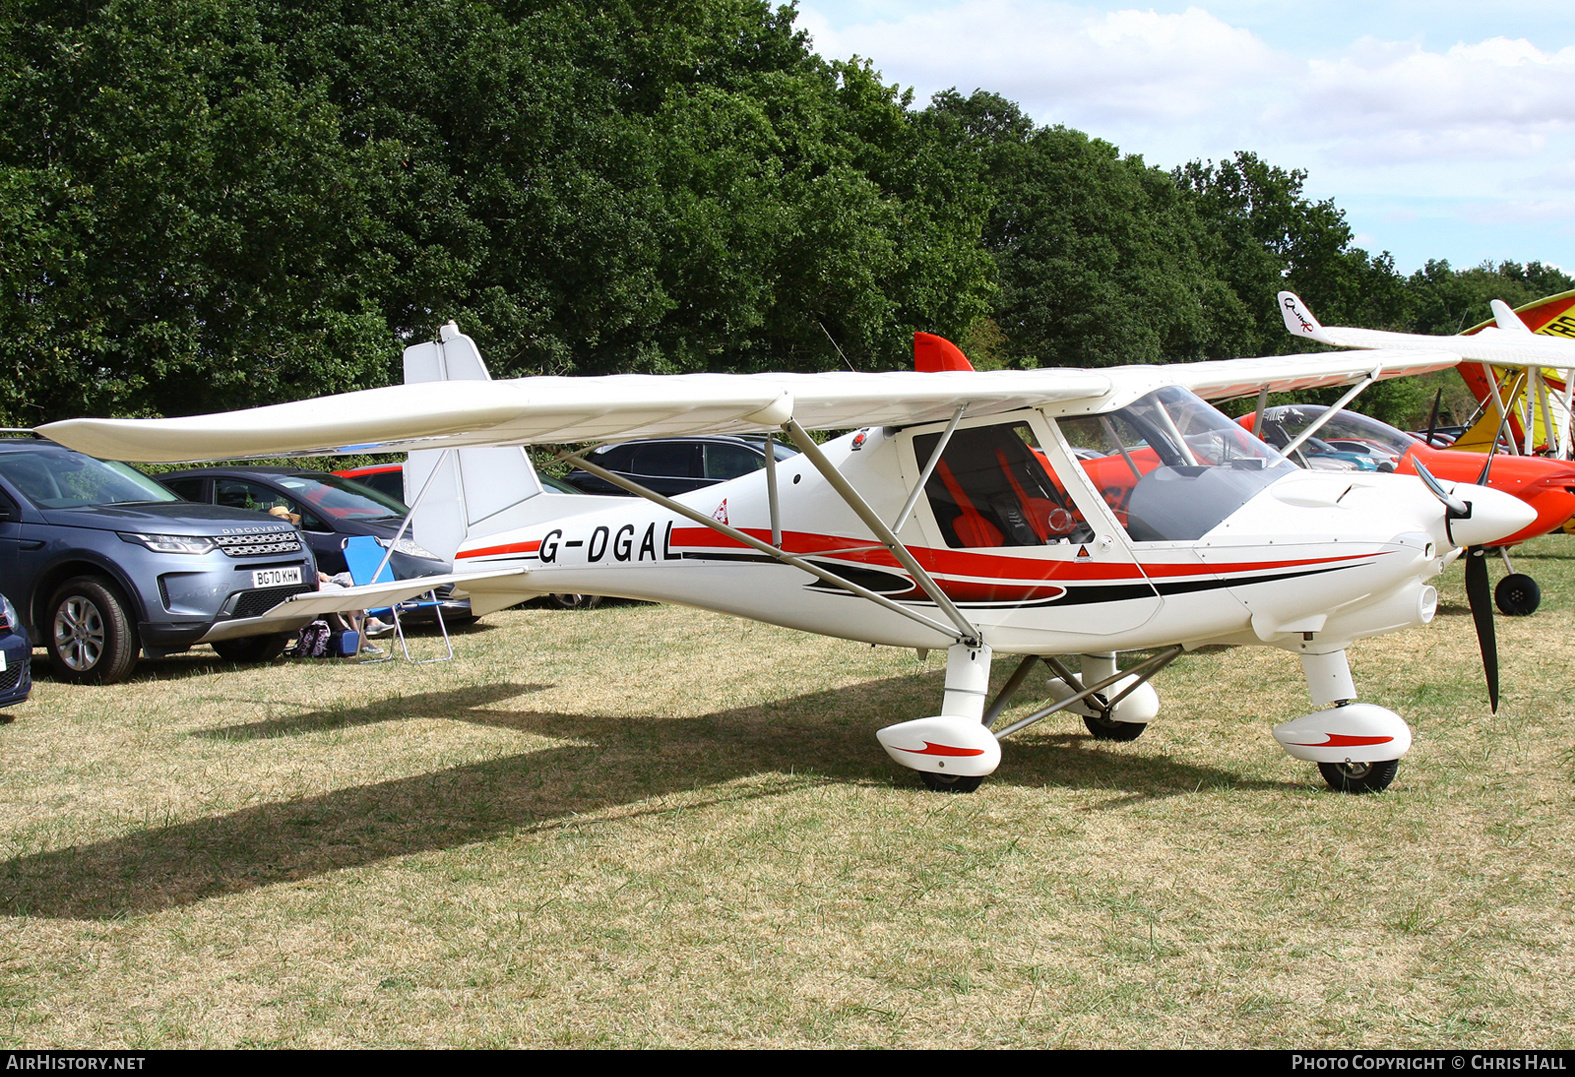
(986, 566)
(497, 551)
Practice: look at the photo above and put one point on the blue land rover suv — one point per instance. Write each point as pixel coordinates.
(104, 565)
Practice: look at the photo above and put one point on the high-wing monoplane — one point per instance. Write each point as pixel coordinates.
(1535, 399)
(1045, 514)
(1546, 483)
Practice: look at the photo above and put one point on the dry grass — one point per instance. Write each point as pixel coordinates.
(647, 826)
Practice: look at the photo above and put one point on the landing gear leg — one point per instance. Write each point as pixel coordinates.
(953, 750)
(1357, 746)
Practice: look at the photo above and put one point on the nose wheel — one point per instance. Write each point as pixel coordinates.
(1517, 595)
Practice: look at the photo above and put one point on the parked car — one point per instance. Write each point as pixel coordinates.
(16, 656)
(676, 465)
(105, 565)
(327, 508)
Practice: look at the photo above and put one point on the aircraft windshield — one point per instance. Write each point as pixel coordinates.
(1346, 432)
(1169, 465)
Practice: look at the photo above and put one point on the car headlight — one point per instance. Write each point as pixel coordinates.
(169, 543)
(8, 615)
(410, 548)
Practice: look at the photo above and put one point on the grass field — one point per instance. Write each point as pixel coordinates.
(648, 826)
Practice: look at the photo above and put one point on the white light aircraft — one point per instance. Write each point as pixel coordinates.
(1507, 343)
(1036, 513)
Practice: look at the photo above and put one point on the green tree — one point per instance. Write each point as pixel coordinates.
(1100, 259)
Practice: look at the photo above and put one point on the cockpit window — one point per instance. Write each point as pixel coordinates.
(1169, 465)
(992, 488)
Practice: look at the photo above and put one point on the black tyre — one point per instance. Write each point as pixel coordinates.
(1359, 777)
(1109, 729)
(251, 648)
(949, 783)
(91, 636)
(1517, 595)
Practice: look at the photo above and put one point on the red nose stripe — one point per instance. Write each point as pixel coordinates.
(1340, 740)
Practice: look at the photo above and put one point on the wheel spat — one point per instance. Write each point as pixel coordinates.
(1479, 595)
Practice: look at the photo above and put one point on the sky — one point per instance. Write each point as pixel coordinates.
(1444, 130)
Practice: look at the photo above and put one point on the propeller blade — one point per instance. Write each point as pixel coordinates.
(1432, 421)
(1480, 596)
(1487, 467)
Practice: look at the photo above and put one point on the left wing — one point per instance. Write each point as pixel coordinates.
(548, 410)
(466, 412)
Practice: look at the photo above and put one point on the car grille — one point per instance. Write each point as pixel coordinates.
(12, 676)
(259, 543)
(257, 603)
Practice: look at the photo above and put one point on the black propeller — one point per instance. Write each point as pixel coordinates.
(1432, 421)
(1480, 596)
(1478, 593)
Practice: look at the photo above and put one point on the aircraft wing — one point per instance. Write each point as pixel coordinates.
(551, 410)
(1227, 379)
(1486, 344)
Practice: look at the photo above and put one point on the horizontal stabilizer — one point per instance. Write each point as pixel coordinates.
(375, 595)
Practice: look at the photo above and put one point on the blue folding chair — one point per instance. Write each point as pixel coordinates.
(363, 554)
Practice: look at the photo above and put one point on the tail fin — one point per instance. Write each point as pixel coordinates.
(476, 492)
(932, 353)
(1506, 318)
(1299, 321)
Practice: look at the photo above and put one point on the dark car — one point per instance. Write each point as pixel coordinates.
(327, 508)
(676, 465)
(16, 656)
(105, 565)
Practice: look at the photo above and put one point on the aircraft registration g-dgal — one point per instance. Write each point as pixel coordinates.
(1043, 514)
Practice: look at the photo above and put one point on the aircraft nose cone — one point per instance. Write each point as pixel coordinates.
(1494, 515)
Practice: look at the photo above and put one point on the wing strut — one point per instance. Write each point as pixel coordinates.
(769, 550)
(806, 444)
(929, 468)
(1333, 410)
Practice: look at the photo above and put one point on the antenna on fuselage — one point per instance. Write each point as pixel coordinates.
(834, 343)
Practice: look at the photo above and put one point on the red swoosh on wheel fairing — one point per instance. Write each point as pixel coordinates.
(942, 749)
(1341, 740)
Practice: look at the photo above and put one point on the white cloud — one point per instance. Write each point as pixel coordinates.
(1062, 59)
(1398, 102)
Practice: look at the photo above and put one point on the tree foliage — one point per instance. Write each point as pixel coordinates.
(210, 203)
(207, 204)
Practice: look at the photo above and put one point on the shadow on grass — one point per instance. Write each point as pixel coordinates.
(599, 763)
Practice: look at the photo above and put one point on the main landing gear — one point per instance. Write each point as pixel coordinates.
(954, 750)
(1357, 746)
